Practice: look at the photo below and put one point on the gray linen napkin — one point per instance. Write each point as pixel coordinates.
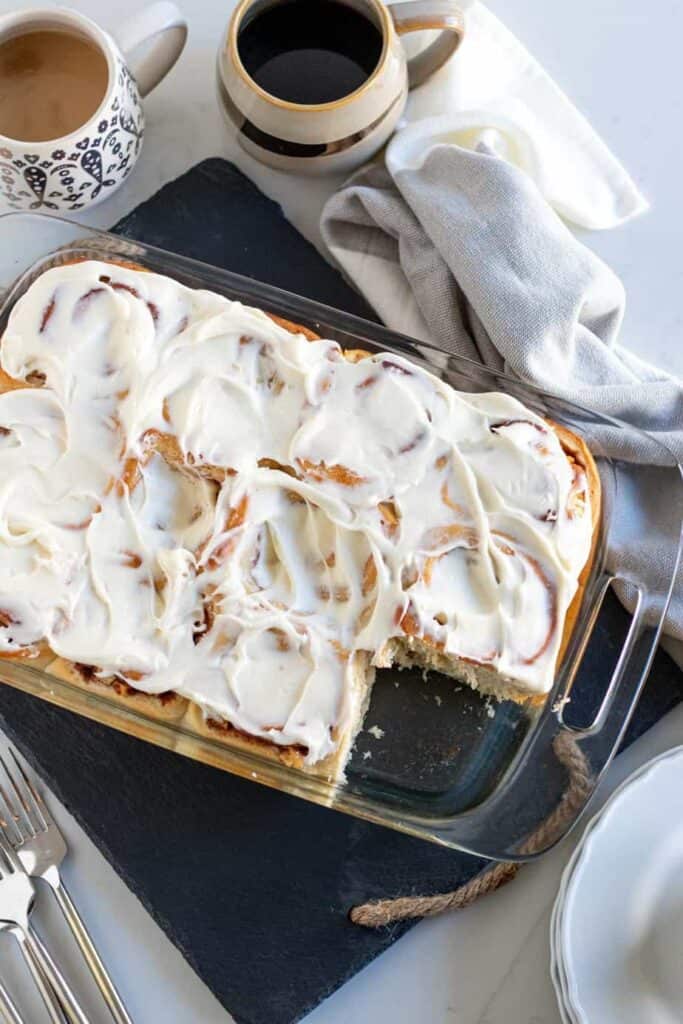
(499, 278)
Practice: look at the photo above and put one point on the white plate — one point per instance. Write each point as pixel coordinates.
(617, 927)
(557, 966)
(557, 971)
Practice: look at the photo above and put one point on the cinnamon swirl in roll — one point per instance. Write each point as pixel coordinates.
(214, 513)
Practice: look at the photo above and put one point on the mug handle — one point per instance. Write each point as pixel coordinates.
(420, 15)
(162, 26)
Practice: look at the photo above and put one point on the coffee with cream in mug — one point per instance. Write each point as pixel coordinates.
(71, 120)
(51, 82)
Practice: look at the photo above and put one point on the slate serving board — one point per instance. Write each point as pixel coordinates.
(259, 906)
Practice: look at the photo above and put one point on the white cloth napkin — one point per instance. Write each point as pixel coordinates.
(495, 92)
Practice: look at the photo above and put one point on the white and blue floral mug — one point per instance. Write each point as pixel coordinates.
(86, 166)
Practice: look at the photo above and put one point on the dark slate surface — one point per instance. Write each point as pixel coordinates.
(213, 213)
(257, 899)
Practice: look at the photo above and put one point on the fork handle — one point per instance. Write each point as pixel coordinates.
(8, 1010)
(63, 991)
(91, 956)
(49, 998)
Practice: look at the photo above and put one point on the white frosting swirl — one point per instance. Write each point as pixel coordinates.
(199, 500)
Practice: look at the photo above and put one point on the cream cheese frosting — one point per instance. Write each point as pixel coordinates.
(196, 499)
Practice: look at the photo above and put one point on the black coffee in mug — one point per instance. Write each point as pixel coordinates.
(309, 51)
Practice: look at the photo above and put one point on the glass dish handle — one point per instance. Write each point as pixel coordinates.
(628, 675)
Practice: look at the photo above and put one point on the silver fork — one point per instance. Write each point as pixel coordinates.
(8, 1009)
(17, 894)
(47, 994)
(41, 848)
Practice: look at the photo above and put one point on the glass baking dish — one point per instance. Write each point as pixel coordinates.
(443, 764)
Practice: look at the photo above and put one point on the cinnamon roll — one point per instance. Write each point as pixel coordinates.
(213, 512)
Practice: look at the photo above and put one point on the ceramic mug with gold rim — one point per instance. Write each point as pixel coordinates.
(341, 134)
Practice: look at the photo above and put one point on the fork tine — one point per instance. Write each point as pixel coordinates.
(10, 855)
(37, 802)
(8, 820)
(5, 866)
(24, 817)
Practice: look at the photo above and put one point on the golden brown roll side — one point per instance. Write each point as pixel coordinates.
(167, 707)
(37, 656)
(576, 450)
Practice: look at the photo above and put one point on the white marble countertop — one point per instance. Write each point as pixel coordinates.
(619, 60)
